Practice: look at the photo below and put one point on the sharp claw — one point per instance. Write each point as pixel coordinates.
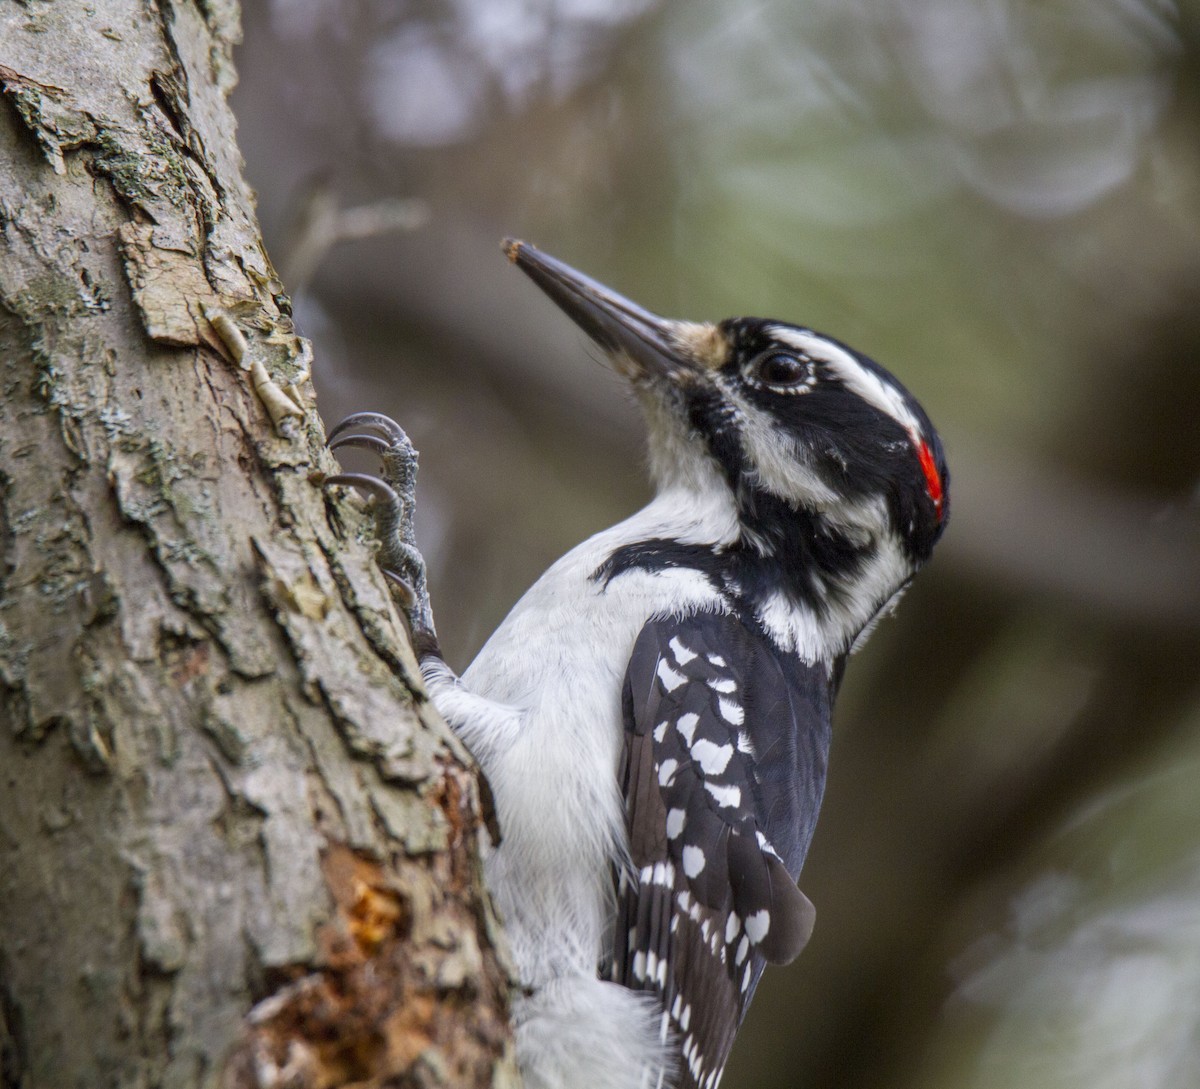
(355, 419)
(392, 511)
(366, 442)
(382, 425)
(371, 484)
(402, 585)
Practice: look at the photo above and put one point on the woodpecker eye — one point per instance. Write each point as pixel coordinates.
(780, 369)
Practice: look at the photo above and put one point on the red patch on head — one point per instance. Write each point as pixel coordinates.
(933, 480)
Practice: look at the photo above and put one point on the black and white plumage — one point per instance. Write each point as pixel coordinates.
(722, 773)
(653, 716)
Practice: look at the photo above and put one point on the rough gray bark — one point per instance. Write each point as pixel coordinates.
(235, 845)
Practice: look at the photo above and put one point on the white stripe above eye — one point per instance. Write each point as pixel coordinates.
(866, 383)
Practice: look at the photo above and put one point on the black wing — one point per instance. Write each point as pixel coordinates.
(722, 772)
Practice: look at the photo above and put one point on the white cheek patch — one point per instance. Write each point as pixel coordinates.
(854, 376)
(778, 463)
(846, 620)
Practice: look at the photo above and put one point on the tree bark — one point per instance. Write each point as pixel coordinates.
(236, 846)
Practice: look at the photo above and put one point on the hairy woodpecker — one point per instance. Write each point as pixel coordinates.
(653, 716)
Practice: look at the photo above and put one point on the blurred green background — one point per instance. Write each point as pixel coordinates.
(1000, 201)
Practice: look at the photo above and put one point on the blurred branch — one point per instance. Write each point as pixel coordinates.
(1038, 529)
(320, 225)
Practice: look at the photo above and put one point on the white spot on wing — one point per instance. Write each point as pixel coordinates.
(670, 679)
(682, 654)
(723, 684)
(713, 759)
(693, 861)
(676, 818)
(666, 772)
(757, 925)
(731, 712)
(660, 731)
(687, 725)
(725, 796)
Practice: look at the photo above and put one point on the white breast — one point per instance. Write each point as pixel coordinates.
(558, 663)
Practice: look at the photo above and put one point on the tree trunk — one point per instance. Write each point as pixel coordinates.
(236, 846)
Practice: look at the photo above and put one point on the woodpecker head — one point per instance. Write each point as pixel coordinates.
(785, 413)
(837, 477)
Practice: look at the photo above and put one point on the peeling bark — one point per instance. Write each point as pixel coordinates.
(236, 845)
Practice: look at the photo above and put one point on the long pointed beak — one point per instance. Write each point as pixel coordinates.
(642, 344)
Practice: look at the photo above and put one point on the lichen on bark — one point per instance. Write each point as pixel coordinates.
(223, 790)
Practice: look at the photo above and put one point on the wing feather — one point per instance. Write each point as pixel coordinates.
(722, 772)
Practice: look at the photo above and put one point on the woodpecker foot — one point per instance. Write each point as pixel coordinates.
(394, 498)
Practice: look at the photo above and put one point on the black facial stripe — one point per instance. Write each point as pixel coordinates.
(799, 555)
(783, 547)
(663, 554)
(799, 547)
(715, 419)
